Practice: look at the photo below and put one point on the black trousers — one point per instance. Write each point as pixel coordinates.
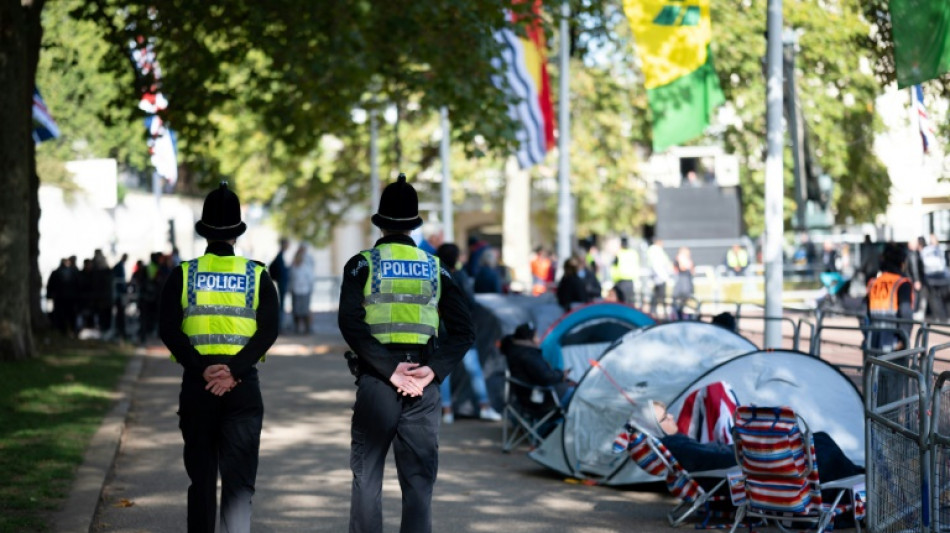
(222, 434)
(381, 417)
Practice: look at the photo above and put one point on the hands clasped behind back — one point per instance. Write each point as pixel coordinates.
(410, 379)
(219, 379)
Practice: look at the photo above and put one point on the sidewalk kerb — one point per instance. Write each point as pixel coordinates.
(79, 510)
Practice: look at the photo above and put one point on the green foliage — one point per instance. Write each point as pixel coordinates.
(263, 94)
(836, 93)
(80, 94)
(49, 408)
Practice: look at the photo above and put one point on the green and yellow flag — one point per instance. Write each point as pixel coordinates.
(672, 38)
(921, 31)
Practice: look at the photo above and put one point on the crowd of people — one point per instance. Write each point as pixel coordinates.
(924, 264)
(101, 297)
(589, 277)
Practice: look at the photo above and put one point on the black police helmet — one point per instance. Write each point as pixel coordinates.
(221, 216)
(398, 207)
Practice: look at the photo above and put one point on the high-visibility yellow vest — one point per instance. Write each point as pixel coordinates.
(220, 297)
(627, 265)
(737, 259)
(401, 294)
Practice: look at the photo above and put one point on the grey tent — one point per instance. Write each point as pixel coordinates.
(816, 390)
(656, 363)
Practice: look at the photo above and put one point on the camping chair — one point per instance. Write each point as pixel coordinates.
(652, 455)
(530, 412)
(776, 452)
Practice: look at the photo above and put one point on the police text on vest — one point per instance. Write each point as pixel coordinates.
(220, 282)
(396, 269)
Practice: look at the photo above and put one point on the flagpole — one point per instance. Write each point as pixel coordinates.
(448, 228)
(564, 228)
(373, 160)
(774, 180)
(917, 203)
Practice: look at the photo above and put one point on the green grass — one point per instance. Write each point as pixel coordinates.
(50, 407)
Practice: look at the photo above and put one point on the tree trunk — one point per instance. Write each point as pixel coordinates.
(18, 22)
(38, 320)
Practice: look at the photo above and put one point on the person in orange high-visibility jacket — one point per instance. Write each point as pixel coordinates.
(890, 296)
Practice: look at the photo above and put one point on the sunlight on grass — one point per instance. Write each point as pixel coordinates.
(50, 406)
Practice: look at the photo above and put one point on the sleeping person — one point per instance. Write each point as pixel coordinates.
(695, 456)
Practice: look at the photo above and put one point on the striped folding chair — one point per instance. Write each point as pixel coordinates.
(776, 452)
(652, 456)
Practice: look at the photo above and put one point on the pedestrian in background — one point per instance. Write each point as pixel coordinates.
(448, 254)
(301, 288)
(936, 276)
(661, 272)
(683, 286)
(737, 260)
(393, 299)
(571, 289)
(280, 273)
(218, 317)
(626, 269)
(120, 295)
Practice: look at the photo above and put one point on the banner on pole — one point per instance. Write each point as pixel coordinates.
(672, 40)
(921, 31)
(526, 77)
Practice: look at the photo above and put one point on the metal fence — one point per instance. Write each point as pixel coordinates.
(896, 404)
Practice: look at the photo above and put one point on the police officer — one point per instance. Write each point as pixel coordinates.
(218, 316)
(890, 296)
(393, 300)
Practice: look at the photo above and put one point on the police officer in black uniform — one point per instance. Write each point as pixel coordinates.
(218, 317)
(393, 300)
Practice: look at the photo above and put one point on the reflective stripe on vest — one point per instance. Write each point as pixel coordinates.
(401, 294)
(219, 300)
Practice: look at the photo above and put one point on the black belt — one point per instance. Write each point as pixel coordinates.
(408, 356)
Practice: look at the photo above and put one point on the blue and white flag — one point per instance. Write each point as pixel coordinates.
(44, 127)
(928, 137)
(524, 63)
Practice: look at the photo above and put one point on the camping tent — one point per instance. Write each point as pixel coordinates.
(655, 363)
(511, 310)
(815, 389)
(586, 332)
(819, 392)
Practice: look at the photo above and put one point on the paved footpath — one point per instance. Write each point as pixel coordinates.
(304, 478)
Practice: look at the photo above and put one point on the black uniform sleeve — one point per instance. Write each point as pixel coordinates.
(352, 319)
(170, 318)
(266, 334)
(456, 318)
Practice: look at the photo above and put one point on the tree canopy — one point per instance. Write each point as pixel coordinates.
(265, 95)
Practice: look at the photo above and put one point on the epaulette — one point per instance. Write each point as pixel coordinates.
(259, 263)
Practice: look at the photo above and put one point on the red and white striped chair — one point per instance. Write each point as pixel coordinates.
(776, 452)
(652, 456)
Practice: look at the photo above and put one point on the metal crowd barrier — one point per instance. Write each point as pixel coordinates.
(940, 454)
(897, 453)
